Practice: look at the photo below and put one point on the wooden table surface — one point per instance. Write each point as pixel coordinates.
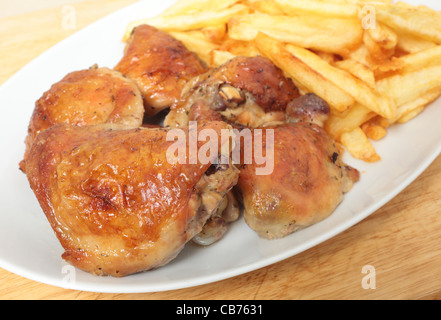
(401, 241)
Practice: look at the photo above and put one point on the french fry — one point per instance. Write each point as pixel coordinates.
(360, 54)
(359, 146)
(264, 6)
(190, 21)
(422, 23)
(354, 117)
(182, 7)
(410, 62)
(406, 112)
(380, 121)
(359, 70)
(328, 57)
(334, 35)
(412, 44)
(411, 115)
(383, 36)
(321, 8)
(216, 33)
(419, 60)
(408, 87)
(361, 92)
(406, 5)
(360, 1)
(240, 48)
(376, 52)
(197, 42)
(219, 57)
(374, 132)
(303, 75)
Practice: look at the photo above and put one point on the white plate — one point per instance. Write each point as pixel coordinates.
(28, 246)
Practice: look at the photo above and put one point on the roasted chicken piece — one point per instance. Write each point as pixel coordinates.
(160, 65)
(246, 92)
(308, 108)
(308, 180)
(116, 202)
(87, 97)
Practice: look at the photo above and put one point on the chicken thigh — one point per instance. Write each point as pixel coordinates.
(87, 97)
(308, 178)
(245, 91)
(307, 183)
(160, 65)
(116, 202)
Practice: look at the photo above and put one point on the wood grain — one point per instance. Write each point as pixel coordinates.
(401, 240)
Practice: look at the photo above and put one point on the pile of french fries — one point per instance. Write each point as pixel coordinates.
(376, 63)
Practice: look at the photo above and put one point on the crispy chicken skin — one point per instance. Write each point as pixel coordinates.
(309, 178)
(87, 97)
(308, 108)
(113, 199)
(160, 65)
(306, 185)
(271, 89)
(245, 91)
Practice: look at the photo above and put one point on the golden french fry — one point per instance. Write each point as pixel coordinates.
(239, 48)
(360, 54)
(419, 22)
(419, 60)
(359, 146)
(383, 36)
(264, 6)
(408, 87)
(302, 74)
(190, 21)
(360, 1)
(191, 6)
(334, 35)
(219, 57)
(380, 121)
(355, 116)
(374, 132)
(412, 44)
(411, 115)
(422, 101)
(321, 8)
(197, 42)
(377, 52)
(328, 57)
(359, 70)
(216, 33)
(371, 98)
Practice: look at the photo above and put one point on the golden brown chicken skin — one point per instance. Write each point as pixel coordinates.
(115, 202)
(87, 97)
(259, 76)
(307, 184)
(245, 91)
(308, 179)
(160, 65)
